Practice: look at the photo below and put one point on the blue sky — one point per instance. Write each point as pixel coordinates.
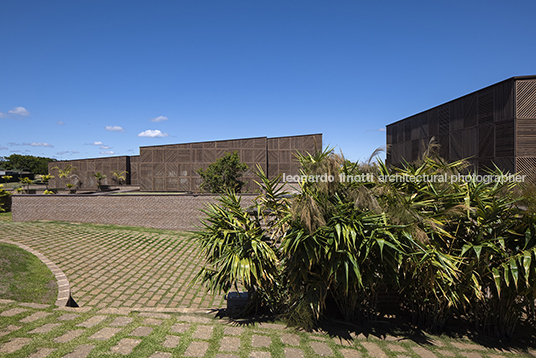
(82, 79)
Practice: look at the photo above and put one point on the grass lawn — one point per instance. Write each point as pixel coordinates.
(24, 278)
(5, 216)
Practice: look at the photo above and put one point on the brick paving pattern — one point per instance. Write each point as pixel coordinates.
(137, 301)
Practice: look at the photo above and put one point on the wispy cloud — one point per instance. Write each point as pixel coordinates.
(4, 148)
(60, 123)
(36, 144)
(108, 152)
(94, 143)
(105, 147)
(67, 152)
(33, 144)
(19, 111)
(114, 129)
(153, 133)
(376, 130)
(159, 119)
(2, 115)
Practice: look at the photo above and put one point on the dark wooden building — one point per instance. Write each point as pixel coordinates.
(494, 125)
(173, 167)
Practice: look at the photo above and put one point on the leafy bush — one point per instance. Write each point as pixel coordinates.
(447, 249)
(224, 174)
(5, 199)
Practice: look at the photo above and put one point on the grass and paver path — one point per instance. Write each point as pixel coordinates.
(136, 297)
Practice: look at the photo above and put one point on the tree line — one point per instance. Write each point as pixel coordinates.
(36, 165)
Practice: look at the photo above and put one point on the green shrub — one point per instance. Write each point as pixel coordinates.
(5, 199)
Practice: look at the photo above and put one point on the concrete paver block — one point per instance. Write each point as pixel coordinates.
(203, 332)
(171, 341)
(125, 346)
(180, 327)
(321, 349)
(471, 354)
(160, 355)
(34, 317)
(152, 322)
(105, 333)
(68, 336)
(373, 350)
(14, 345)
(45, 328)
(260, 341)
(142, 331)
(196, 349)
(259, 354)
(350, 353)
(468, 346)
(121, 321)
(229, 344)
(447, 353)
(13, 312)
(423, 352)
(232, 331)
(68, 317)
(194, 319)
(290, 339)
(9, 329)
(80, 351)
(33, 305)
(397, 348)
(293, 353)
(42, 353)
(93, 321)
(155, 315)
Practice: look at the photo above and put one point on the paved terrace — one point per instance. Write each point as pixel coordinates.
(136, 299)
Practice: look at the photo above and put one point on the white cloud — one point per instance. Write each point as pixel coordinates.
(152, 133)
(94, 143)
(2, 115)
(105, 147)
(21, 111)
(114, 129)
(381, 130)
(107, 152)
(35, 144)
(67, 152)
(60, 123)
(159, 119)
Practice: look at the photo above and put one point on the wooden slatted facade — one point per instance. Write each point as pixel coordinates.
(173, 167)
(492, 126)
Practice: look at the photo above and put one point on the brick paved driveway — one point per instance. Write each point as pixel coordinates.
(137, 301)
(119, 268)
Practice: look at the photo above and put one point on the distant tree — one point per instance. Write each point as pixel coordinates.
(119, 177)
(26, 181)
(46, 178)
(99, 176)
(36, 165)
(224, 174)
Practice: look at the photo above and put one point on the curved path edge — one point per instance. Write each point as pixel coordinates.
(64, 289)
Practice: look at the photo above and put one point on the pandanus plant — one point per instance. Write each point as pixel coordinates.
(449, 249)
